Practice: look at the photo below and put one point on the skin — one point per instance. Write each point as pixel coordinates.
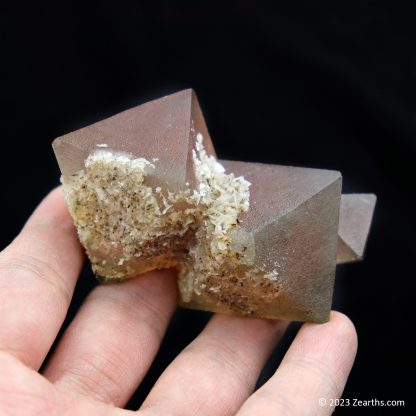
(99, 363)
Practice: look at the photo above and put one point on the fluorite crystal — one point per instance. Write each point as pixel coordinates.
(146, 192)
(356, 213)
(163, 130)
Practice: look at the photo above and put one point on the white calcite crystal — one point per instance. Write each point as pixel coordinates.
(128, 228)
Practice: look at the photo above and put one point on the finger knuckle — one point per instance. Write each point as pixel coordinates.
(25, 268)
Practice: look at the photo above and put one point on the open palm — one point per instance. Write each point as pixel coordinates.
(109, 346)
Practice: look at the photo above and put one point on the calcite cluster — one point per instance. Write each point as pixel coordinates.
(146, 191)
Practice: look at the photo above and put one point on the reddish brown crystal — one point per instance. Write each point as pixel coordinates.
(163, 129)
(293, 219)
(356, 213)
(279, 256)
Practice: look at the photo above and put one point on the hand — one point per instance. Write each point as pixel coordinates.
(110, 344)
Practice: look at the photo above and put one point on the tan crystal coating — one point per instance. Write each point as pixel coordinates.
(356, 213)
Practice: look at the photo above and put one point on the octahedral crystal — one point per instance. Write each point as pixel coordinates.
(163, 130)
(356, 213)
(146, 192)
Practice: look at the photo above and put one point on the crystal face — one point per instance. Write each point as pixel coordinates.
(292, 226)
(145, 191)
(163, 129)
(355, 218)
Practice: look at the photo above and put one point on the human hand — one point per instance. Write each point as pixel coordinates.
(110, 344)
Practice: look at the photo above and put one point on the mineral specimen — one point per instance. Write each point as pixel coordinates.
(145, 191)
(356, 213)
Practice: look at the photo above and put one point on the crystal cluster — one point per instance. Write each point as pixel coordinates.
(146, 191)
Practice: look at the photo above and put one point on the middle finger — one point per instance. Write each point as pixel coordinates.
(218, 370)
(113, 339)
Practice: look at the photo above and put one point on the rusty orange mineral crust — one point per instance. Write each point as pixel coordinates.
(146, 191)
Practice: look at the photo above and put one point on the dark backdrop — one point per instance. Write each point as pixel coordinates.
(320, 84)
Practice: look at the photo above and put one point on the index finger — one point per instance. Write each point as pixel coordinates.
(38, 272)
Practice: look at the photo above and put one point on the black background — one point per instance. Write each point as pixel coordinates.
(319, 84)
